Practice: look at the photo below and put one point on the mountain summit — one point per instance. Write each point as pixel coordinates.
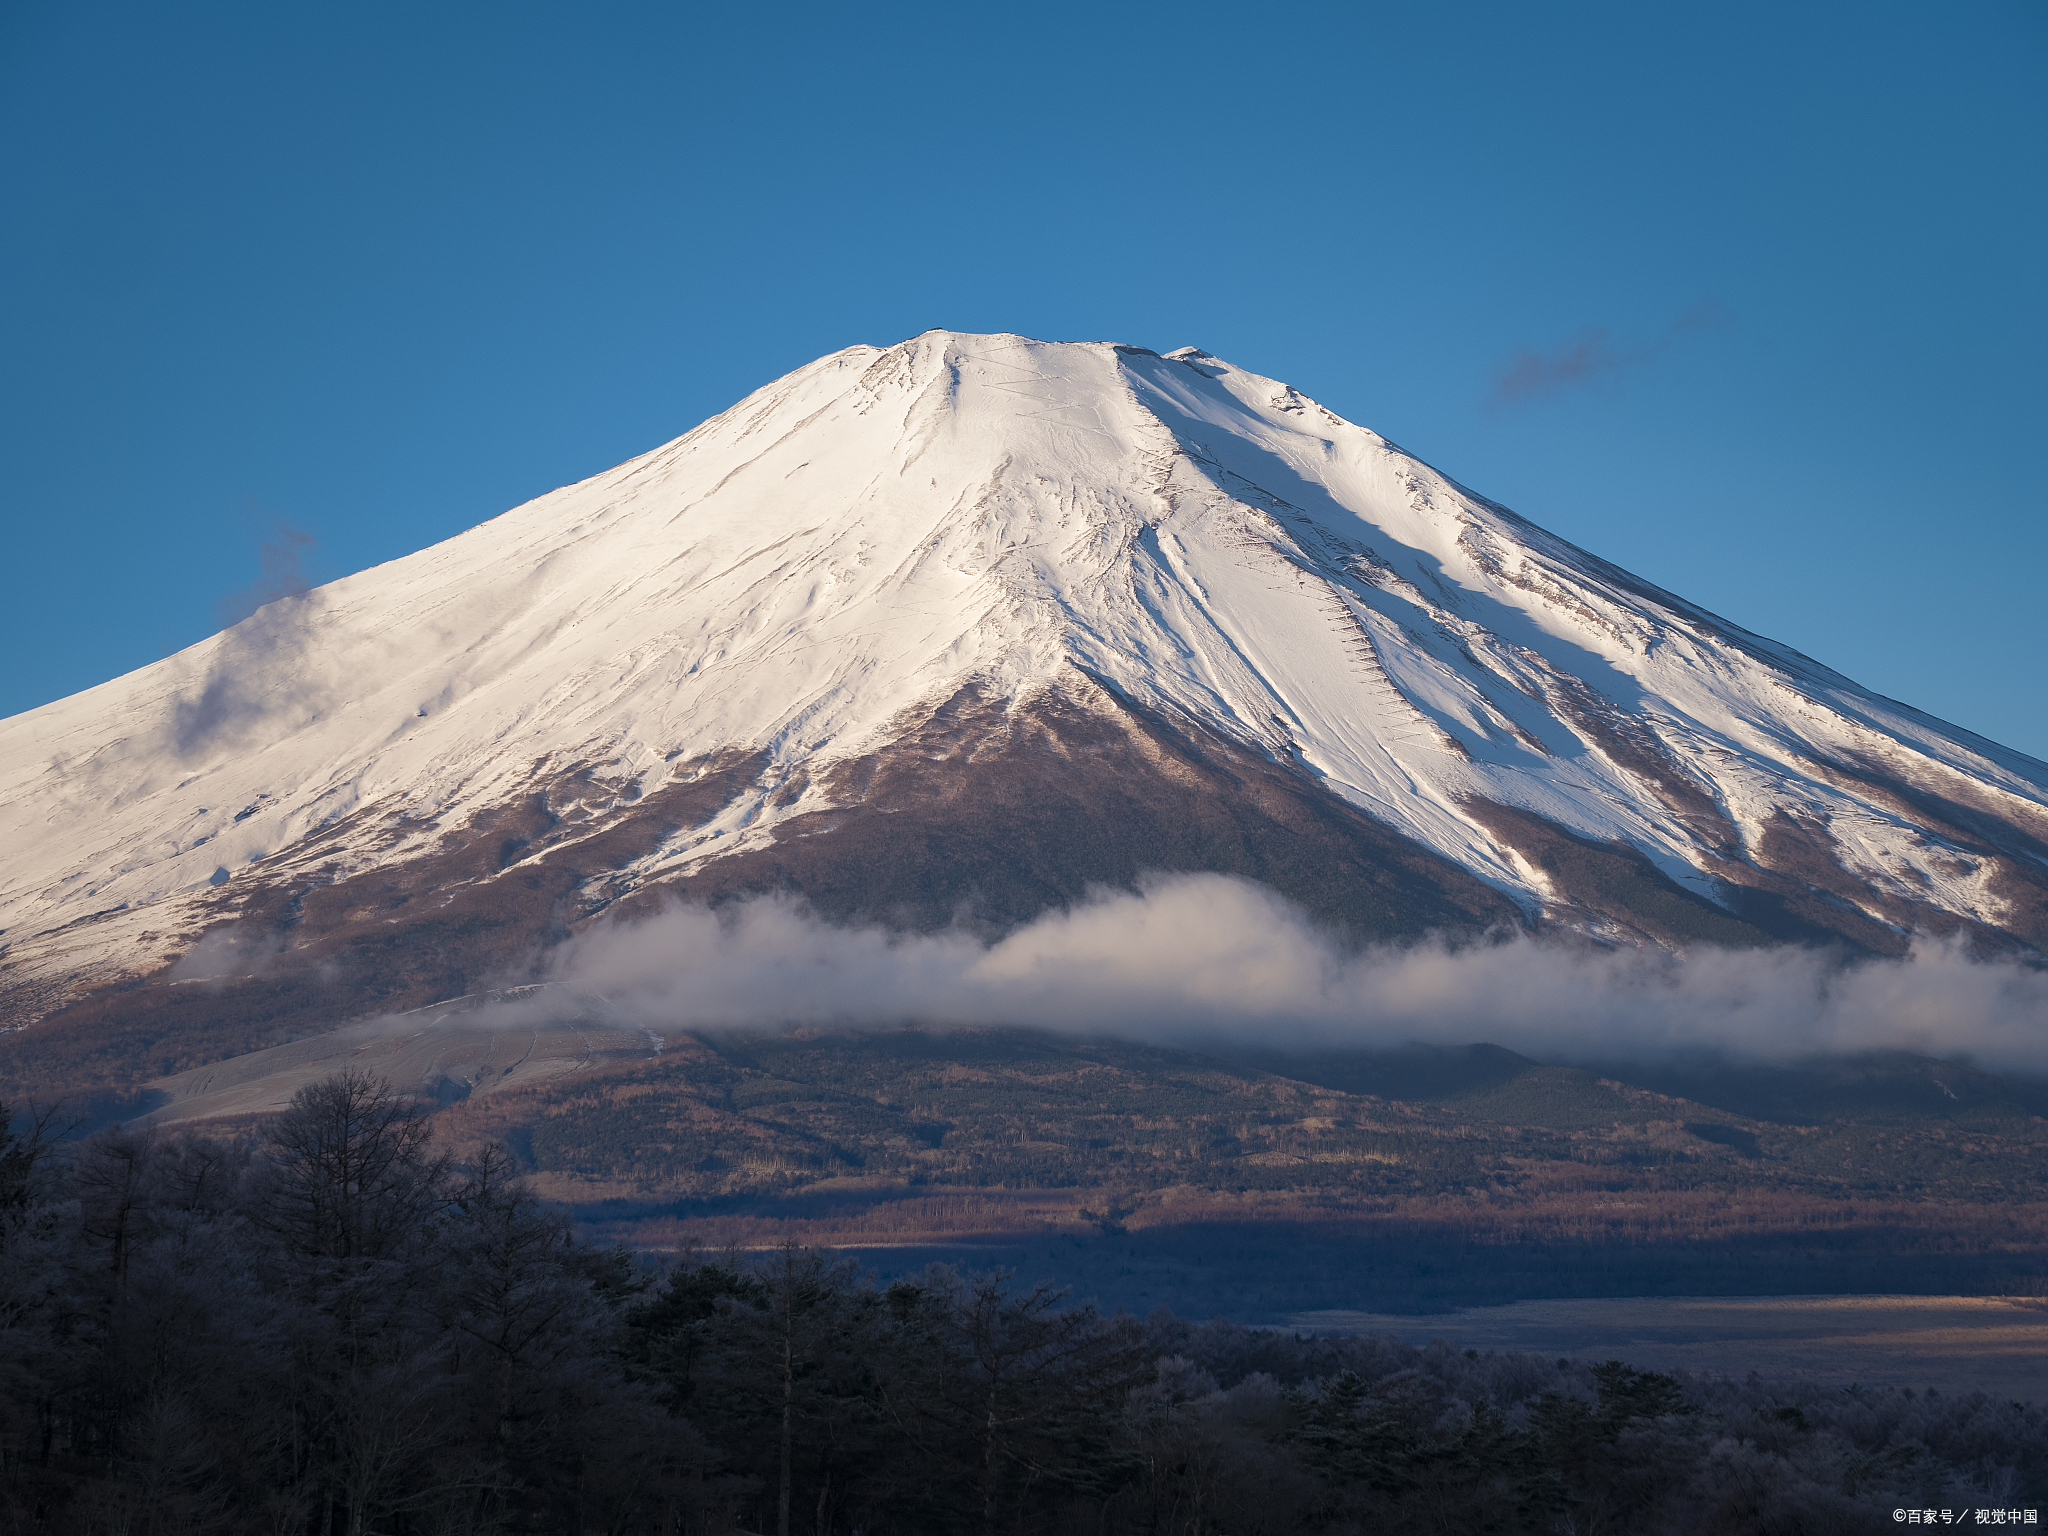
(953, 631)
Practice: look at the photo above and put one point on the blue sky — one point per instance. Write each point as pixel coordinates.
(1746, 298)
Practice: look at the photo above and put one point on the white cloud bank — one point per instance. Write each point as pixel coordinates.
(1203, 956)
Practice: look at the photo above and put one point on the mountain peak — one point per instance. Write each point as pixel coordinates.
(924, 548)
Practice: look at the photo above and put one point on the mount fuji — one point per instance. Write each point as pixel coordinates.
(955, 632)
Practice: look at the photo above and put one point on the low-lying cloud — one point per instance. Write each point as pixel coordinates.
(227, 952)
(1206, 957)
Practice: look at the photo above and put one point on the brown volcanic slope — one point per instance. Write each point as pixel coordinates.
(951, 632)
(985, 813)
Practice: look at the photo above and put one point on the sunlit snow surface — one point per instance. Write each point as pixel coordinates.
(861, 538)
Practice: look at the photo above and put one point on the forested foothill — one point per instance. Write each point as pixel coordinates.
(1257, 1187)
(334, 1326)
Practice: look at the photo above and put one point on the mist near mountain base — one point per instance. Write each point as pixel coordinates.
(1191, 959)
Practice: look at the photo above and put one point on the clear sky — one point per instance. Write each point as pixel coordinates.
(1748, 298)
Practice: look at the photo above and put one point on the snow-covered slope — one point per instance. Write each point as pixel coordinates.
(797, 584)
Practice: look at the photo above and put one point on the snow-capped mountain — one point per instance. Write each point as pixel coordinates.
(950, 631)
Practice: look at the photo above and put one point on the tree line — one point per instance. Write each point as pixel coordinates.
(337, 1329)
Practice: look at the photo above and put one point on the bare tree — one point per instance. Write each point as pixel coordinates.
(350, 1171)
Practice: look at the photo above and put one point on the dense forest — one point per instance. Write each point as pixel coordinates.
(334, 1327)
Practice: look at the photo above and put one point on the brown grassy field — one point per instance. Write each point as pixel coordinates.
(1955, 1344)
(1148, 1176)
(1145, 1175)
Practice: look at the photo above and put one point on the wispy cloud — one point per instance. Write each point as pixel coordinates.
(260, 667)
(1591, 355)
(283, 576)
(1204, 957)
